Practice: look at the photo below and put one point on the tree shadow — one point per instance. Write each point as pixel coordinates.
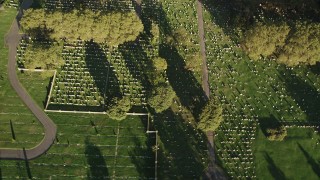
(143, 157)
(315, 166)
(315, 68)
(273, 169)
(136, 60)
(304, 94)
(102, 72)
(268, 123)
(183, 81)
(98, 168)
(234, 14)
(183, 149)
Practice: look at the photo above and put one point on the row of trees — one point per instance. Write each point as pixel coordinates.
(161, 96)
(291, 46)
(113, 28)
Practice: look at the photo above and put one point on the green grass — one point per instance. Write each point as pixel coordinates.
(297, 157)
(27, 130)
(85, 141)
(253, 91)
(37, 85)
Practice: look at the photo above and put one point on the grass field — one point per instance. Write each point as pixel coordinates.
(297, 157)
(18, 127)
(94, 147)
(254, 92)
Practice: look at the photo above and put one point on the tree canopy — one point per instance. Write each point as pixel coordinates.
(210, 117)
(264, 39)
(113, 28)
(299, 44)
(44, 57)
(120, 108)
(161, 97)
(303, 47)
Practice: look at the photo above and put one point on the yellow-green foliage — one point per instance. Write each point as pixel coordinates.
(303, 47)
(211, 117)
(263, 39)
(113, 28)
(160, 63)
(120, 108)
(44, 57)
(277, 134)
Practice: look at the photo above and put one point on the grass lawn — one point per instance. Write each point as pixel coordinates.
(37, 85)
(25, 131)
(253, 91)
(90, 146)
(297, 157)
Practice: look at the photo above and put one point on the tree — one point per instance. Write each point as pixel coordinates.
(303, 47)
(210, 117)
(113, 28)
(264, 39)
(161, 97)
(160, 64)
(120, 108)
(44, 57)
(277, 134)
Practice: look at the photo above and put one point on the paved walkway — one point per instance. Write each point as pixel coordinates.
(213, 171)
(12, 40)
(205, 78)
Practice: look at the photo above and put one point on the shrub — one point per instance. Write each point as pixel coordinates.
(277, 134)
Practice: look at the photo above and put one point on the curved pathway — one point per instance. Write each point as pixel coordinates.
(12, 40)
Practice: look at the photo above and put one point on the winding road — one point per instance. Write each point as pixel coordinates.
(12, 40)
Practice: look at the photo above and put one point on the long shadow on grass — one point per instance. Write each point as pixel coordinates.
(268, 123)
(273, 169)
(315, 166)
(143, 157)
(183, 149)
(98, 168)
(183, 81)
(305, 94)
(153, 11)
(234, 14)
(101, 71)
(136, 60)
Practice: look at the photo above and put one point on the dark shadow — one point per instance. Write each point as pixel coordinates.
(38, 4)
(12, 131)
(268, 123)
(143, 157)
(102, 73)
(48, 88)
(182, 148)
(315, 68)
(136, 60)
(273, 169)
(0, 174)
(183, 81)
(233, 14)
(98, 168)
(27, 164)
(305, 94)
(315, 166)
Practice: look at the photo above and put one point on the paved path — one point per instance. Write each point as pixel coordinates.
(12, 40)
(213, 171)
(205, 78)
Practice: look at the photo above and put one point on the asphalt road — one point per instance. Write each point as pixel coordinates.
(12, 40)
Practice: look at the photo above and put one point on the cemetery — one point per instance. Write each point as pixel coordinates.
(128, 98)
